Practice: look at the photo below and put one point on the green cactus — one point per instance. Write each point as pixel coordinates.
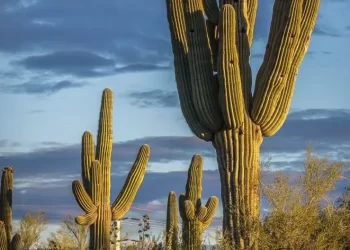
(93, 194)
(172, 227)
(6, 212)
(3, 237)
(220, 107)
(195, 217)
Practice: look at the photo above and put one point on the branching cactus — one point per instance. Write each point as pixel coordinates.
(195, 217)
(214, 82)
(93, 194)
(6, 212)
(172, 227)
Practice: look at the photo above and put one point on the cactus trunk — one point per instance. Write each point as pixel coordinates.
(211, 45)
(6, 201)
(100, 230)
(6, 212)
(192, 235)
(238, 159)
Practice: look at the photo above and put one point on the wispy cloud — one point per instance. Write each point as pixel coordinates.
(154, 98)
(32, 87)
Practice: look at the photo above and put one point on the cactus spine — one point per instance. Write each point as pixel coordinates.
(195, 217)
(93, 194)
(6, 212)
(172, 227)
(220, 107)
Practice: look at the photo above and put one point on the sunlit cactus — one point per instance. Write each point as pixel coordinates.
(93, 194)
(195, 217)
(6, 240)
(172, 227)
(211, 45)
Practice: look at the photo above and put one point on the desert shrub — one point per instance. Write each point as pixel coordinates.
(300, 215)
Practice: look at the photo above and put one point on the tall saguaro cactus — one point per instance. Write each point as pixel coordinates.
(195, 217)
(172, 227)
(6, 212)
(93, 194)
(214, 81)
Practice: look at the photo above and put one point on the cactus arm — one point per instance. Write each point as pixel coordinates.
(211, 206)
(87, 156)
(82, 197)
(16, 242)
(194, 182)
(3, 238)
(204, 86)
(189, 210)
(252, 7)
(243, 50)
(172, 223)
(213, 36)
(310, 10)
(211, 10)
(177, 25)
(86, 219)
(230, 95)
(202, 212)
(96, 183)
(277, 62)
(182, 198)
(123, 202)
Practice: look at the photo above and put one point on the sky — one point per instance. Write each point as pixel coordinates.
(56, 57)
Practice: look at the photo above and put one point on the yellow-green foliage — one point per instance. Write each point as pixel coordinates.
(301, 216)
(93, 194)
(6, 212)
(221, 107)
(195, 217)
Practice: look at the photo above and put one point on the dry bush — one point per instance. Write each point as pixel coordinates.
(300, 215)
(30, 228)
(70, 235)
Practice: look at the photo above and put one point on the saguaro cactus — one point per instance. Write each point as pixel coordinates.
(172, 227)
(93, 194)
(214, 80)
(195, 217)
(6, 212)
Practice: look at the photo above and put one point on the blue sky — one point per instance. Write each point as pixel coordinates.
(56, 57)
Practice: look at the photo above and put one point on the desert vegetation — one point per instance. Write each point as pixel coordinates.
(211, 44)
(301, 213)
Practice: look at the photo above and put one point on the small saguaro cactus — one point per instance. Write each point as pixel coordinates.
(172, 227)
(195, 217)
(6, 212)
(93, 193)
